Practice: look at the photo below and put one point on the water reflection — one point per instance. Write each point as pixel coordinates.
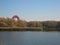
(29, 38)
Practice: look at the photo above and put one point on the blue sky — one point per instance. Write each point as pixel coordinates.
(31, 9)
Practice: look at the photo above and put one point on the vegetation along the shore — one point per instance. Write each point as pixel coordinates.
(43, 25)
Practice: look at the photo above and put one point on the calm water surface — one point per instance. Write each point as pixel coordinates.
(29, 38)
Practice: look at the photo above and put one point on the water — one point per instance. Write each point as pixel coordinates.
(29, 38)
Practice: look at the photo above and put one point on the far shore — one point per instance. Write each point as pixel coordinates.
(25, 29)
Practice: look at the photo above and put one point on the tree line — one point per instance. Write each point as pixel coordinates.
(45, 25)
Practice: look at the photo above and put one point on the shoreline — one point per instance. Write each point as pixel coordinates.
(28, 29)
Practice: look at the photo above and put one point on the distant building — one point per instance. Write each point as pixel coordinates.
(16, 17)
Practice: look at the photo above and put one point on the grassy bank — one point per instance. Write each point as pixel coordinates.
(28, 29)
(21, 29)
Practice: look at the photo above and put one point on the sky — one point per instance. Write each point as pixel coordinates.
(29, 10)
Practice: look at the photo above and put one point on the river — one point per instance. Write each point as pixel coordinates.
(29, 38)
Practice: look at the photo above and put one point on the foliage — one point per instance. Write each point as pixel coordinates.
(45, 25)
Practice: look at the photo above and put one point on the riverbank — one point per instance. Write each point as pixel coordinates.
(28, 29)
